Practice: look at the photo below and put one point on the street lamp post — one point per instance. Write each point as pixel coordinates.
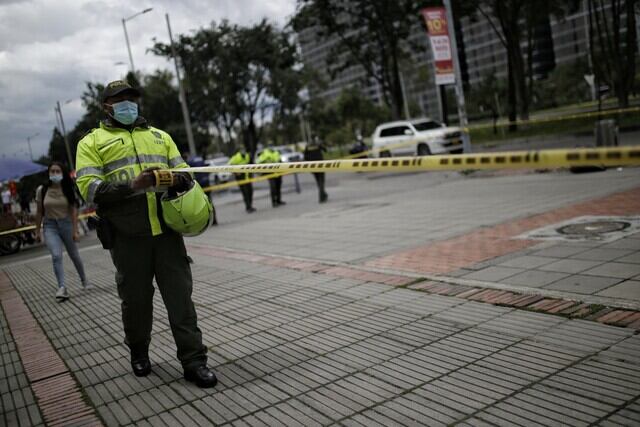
(183, 96)
(29, 144)
(64, 134)
(126, 35)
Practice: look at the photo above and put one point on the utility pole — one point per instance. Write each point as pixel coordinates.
(407, 116)
(126, 35)
(66, 140)
(462, 112)
(29, 144)
(183, 96)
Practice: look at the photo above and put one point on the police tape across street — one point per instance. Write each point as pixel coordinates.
(540, 159)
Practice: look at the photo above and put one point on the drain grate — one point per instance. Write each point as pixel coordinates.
(587, 228)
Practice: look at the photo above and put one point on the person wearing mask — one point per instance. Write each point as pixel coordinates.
(243, 158)
(116, 169)
(57, 214)
(269, 155)
(313, 152)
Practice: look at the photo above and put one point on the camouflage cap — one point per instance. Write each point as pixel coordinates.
(116, 87)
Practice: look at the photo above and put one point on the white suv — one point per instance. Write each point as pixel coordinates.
(416, 137)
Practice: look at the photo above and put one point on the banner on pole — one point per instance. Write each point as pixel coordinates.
(436, 20)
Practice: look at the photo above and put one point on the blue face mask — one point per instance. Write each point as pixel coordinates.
(56, 179)
(125, 112)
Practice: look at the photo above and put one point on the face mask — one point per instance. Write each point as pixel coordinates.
(125, 112)
(57, 179)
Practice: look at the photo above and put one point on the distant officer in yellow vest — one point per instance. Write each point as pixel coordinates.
(243, 158)
(270, 155)
(114, 171)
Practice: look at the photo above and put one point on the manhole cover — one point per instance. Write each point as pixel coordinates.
(593, 228)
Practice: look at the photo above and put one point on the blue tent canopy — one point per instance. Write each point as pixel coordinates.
(17, 168)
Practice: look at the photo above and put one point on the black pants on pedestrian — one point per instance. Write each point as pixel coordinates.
(275, 186)
(246, 190)
(322, 195)
(138, 260)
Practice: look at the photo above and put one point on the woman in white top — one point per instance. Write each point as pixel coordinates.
(58, 214)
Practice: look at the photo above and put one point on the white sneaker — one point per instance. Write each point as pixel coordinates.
(87, 285)
(62, 294)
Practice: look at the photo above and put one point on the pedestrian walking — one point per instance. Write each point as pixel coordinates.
(57, 213)
(6, 199)
(115, 169)
(313, 152)
(243, 158)
(269, 155)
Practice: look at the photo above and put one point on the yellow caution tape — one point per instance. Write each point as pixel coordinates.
(559, 118)
(540, 159)
(373, 152)
(33, 227)
(17, 230)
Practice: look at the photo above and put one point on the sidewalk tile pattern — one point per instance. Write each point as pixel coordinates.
(59, 399)
(491, 242)
(297, 347)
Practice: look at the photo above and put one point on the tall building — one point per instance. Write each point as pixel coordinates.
(556, 42)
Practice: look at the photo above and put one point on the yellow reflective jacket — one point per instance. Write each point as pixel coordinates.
(109, 158)
(269, 156)
(240, 159)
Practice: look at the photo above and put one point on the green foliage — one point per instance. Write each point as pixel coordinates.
(487, 98)
(351, 114)
(237, 76)
(614, 44)
(566, 85)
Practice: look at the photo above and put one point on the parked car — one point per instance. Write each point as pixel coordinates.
(288, 155)
(219, 177)
(420, 137)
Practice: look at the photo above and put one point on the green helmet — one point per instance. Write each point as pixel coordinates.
(189, 213)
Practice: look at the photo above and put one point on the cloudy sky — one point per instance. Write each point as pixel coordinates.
(50, 48)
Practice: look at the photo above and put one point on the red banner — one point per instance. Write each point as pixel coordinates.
(436, 21)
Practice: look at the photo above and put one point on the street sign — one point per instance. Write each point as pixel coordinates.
(436, 20)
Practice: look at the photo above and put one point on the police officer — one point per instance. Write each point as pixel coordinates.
(243, 158)
(114, 170)
(313, 152)
(269, 155)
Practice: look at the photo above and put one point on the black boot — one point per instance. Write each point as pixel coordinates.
(140, 362)
(202, 376)
(141, 366)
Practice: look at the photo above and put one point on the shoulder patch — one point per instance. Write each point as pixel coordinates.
(156, 134)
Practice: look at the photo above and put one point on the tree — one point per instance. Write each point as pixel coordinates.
(515, 23)
(485, 98)
(614, 44)
(238, 76)
(370, 33)
(57, 150)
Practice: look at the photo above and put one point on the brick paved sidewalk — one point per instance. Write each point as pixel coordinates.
(295, 347)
